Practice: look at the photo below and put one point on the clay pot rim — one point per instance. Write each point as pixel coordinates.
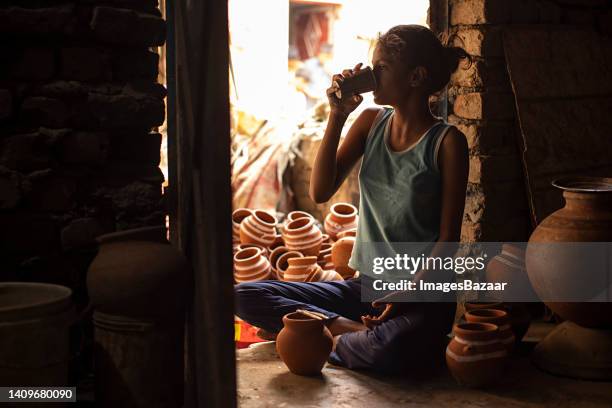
(351, 232)
(309, 259)
(342, 214)
(262, 213)
(274, 254)
(490, 313)
(290, 227)
(302, 214)
(257, 252)
(583, 184)
(476, 327)
(484, 304)
(238, 211)
(294, 254)
(302, 320)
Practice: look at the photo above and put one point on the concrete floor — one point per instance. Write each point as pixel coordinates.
(264, 381)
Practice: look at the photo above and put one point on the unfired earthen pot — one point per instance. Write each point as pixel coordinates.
(237, 217)
(258, 228)
(251, 265)
(497, 317)
(304, 344)
(282, 263)
(342, 216)
(274, 255)
(301, 269)
(554, 269)
(476, 356)
(304, 236)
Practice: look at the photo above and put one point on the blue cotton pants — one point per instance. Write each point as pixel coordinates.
(411, 343)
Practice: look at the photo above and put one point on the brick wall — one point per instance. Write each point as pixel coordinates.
(78, 103)
(482, 106)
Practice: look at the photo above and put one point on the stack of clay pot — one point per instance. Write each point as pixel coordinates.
(263, 248)
(476, 355)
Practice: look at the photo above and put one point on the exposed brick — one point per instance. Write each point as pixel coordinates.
(135, 63)
(81, 232)
(6, 104)
(119, 111)
(49, 112)
(472, 12)
(50, 191)
(10, 188)
(487, 105)
(27, 152)
(85, 64)
(487, 74)
(28, 232)
(127, 27)
(490, 138)
(84, 148)
(34, 64)
(52, 20)
(481, 41)
(485, 169)
(136, 147)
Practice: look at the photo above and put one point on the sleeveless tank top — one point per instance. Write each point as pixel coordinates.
(400, 193)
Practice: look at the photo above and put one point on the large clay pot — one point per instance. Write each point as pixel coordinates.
(237, 217)
(251, 265)
(497, 317)
(340, 255)
(282, 263)
(476, 356)
(342, 216)
(555, 270)
(304, 344)
(301, 269)
(258, 228)
(138, 287)
(304, 236)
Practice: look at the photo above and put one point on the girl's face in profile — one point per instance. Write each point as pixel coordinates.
(392, 79)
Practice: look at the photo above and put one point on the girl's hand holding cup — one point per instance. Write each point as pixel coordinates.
(346, 104)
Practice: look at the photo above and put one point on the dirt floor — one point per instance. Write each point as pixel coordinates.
(264, 381)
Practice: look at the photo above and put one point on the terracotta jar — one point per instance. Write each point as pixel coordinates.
(282, 263)
(327, 263)
(294, 215)
(321, 275)
(555, 271)
(340, 255)
(251, 265)
(476, 356)
(325, 250)
(301, 269)
(304, 344)
(497, 317)
(326, 239)
(138, 285)
(278, 241)
(238, 216)
(274, 256)
(347, 233)
(258, 228)
(304, 236)
(519, 315)
(342, 216)
(265, 251)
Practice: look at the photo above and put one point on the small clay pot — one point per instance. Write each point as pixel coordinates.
(304, 344)
(326, 239)
(237, 217)
(274, 256)
(282, 263)
(264, 250)
(520, 318)
(476, 356)
(250, 265)
(497, 317)
(278, 241)
(304, 236)
(258, 228)
(348, 233)
(301, 269)
(322, 275)
(342, 216)
(340, 255)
